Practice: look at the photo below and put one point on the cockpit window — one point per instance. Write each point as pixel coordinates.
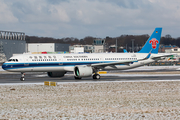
(9, 60)
(13, 60)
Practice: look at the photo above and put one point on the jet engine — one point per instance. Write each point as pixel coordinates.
(83, 71)
(56, 74)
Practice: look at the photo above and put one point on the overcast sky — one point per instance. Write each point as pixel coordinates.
(97, 18)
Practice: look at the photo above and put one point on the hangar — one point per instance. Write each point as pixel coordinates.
(47, 47)
(11, 43)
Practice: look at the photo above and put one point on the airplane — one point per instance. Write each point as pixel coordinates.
(86, 64)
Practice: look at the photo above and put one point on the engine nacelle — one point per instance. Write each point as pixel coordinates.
(56, 74)
(83, 71)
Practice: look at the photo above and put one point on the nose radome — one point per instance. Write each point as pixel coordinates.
(4, 66)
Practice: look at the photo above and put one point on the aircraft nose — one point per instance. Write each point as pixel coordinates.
(4, 66)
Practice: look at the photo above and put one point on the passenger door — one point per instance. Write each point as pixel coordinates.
(60, 60)
(26, 61)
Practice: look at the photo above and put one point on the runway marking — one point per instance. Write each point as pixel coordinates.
(119, 75)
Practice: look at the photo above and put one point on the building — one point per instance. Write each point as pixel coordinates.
(164, 48)
(99, 46)
(2, 55)
(12, 43)
(47, 47)
(174, 50)
(81, 49)
(76, 49)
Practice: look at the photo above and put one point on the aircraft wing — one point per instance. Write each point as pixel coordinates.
(112, 64)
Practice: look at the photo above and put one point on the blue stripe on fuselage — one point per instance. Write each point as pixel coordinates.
(9, 66)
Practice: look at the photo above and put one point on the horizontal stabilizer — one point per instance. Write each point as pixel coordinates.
(158, 56)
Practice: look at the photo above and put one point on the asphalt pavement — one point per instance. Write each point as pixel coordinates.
(6, 77)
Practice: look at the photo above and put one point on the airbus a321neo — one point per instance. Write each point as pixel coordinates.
(87, 64)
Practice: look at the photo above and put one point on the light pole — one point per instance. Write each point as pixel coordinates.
(132, 45)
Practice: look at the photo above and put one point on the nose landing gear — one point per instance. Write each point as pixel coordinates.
(22, 76)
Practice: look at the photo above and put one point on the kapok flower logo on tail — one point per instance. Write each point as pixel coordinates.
(154, 42)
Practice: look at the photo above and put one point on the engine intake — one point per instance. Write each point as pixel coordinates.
(83, 71)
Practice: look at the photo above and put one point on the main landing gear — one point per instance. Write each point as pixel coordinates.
(96, 76)
(22, 76)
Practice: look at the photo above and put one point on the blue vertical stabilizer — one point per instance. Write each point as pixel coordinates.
(153, 42)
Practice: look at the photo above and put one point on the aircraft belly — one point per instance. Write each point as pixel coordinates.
(37, 69)
(69, 68)
(46, 69)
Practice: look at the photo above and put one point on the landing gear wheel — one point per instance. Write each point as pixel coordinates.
(96, 76)
(77, 78)
(22, 77)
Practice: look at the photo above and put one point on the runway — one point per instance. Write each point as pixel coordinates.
(123, 76)
(139, 74)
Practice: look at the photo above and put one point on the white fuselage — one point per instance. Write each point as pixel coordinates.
(67, 62)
